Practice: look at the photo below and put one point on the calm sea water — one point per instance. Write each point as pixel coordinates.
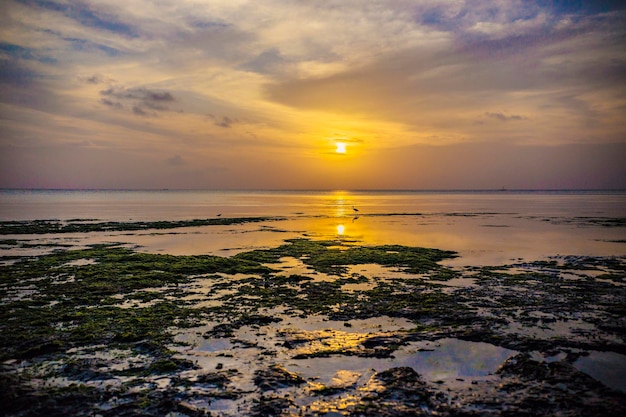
(169, 205)
(484, 227)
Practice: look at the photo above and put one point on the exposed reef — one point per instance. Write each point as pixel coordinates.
(22, 227)
(112, 331)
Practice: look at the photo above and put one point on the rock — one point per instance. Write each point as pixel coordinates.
(276, 377)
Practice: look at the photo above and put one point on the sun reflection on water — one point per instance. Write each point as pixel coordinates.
(341, 229)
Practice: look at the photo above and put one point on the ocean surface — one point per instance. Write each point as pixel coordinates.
(485, 227)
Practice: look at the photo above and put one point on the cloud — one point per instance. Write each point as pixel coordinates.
(86, 15)
(15, 74)
(345, 139)
(94, 79)
(84, 45)
(110, 103)
(434, 88)
(503, 117)
(270, 61)
(176, 160)
(223, 121)
(378, 75)
(19, 52)
(141, 94)
(97, 79)
(139, 99)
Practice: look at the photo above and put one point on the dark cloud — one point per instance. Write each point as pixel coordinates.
(110, 103)
(461, 20)
(157, 96)
(97, 79)
(94, 79)
(139, 100)
(139, 111)
(505, 118)
(267, 62)
(13, 73)
(582, 6)
(206, 24)
(551, 32)
(141, 94)
(223, 121)
(86, 15)
(20, 52)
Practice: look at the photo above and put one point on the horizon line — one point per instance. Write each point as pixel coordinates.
(503, 189)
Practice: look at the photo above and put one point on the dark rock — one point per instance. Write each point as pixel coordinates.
(270, 406)
(276, 377)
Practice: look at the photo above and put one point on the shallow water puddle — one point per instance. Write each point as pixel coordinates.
(444, 360)
(372, 324)
(549, 328)
(449, 359)
(80, 262)
(377, 271)
(294, 266)
(214, 345)
(607, 367)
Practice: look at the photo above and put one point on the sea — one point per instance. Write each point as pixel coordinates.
(484, 227)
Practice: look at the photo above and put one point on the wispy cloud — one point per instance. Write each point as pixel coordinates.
(504, 117)
(85, 14)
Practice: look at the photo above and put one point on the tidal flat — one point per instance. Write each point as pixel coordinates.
(304, 324)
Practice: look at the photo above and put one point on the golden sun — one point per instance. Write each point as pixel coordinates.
(341, 147)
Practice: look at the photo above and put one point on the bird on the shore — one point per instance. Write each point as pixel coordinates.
(354, 208)
(219, 215)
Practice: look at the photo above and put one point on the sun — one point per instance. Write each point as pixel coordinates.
(341, 147)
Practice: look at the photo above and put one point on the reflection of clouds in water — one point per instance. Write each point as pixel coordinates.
(454, 358)
(448, 359)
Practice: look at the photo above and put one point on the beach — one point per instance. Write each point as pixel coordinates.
(189, 303)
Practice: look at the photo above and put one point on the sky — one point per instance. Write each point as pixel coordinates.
(312, 94)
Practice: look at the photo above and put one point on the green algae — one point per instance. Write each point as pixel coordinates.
(68, 312)
(331, 258)
(81, 226)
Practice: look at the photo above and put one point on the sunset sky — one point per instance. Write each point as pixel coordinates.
(312, 94)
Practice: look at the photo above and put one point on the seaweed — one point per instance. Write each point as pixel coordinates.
(21, 227)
